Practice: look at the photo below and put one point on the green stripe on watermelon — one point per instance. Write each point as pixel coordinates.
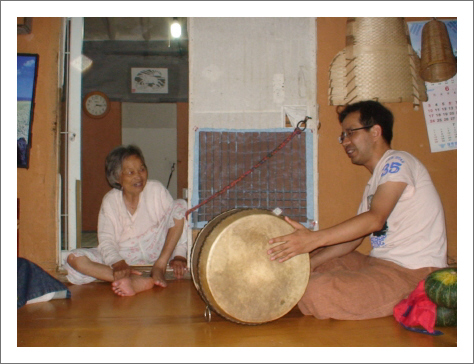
(446, 316)
(441, 287)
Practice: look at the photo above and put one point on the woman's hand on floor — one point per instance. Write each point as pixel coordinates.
(179, 266)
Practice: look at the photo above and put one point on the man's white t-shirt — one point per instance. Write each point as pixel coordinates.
(414, 235)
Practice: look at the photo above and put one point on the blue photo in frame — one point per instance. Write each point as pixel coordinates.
(27, 71)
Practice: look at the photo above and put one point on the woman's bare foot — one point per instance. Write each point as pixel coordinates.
(131, 285)
(158, 275)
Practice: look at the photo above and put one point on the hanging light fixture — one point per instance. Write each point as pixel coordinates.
(175, 28)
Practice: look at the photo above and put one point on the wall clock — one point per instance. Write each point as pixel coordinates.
(96, 104)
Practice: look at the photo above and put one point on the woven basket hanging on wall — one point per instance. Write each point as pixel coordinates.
(378, 63)
(437, 58)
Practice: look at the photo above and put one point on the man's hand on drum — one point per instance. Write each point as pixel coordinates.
(179, 266)
(302, 240)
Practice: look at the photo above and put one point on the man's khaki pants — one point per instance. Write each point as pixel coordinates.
(358, 287)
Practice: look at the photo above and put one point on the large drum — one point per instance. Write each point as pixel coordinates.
(233, 273)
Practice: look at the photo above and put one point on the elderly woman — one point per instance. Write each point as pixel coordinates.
(139, 224)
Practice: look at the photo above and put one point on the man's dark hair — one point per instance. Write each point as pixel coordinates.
(372, 113)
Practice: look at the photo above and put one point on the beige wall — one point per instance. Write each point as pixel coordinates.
(183, 132)
(341, 184)
(37, 186)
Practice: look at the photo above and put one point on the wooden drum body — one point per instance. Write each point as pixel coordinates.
(233, 273)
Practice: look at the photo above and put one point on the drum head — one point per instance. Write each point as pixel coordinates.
(237, 275)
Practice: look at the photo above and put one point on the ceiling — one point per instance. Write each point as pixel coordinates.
(114, 45)
(131, 29)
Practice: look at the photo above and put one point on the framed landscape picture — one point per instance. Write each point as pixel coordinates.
(27, 70)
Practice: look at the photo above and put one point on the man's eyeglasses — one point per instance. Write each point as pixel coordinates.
(350, 132)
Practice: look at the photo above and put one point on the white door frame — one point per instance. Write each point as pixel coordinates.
(73, 135)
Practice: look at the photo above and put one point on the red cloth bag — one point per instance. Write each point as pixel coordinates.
(417, 310)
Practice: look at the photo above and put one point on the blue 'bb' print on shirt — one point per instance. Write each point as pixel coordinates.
(378, 237)
(377, 241)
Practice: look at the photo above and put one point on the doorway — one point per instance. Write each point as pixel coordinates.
(154, 129)
(112, 47)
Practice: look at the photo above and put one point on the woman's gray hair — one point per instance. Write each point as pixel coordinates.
(114, 161)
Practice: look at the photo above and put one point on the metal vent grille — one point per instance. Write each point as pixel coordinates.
(282, 181)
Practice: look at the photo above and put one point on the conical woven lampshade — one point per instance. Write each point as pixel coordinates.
(378, 63)
(437, 58)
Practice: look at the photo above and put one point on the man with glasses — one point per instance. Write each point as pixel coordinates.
(401, 212)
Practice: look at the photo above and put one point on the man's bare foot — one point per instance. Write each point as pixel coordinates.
(131, 285)
(158, 275)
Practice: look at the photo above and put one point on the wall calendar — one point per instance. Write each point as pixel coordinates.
(441, 115)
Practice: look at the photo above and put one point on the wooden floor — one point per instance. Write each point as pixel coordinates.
(173, 317)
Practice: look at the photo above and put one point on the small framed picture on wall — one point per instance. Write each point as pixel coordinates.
(149, 80)
(27, 71)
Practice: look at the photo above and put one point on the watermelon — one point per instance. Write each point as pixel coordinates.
(446, 316)
(441, 287)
